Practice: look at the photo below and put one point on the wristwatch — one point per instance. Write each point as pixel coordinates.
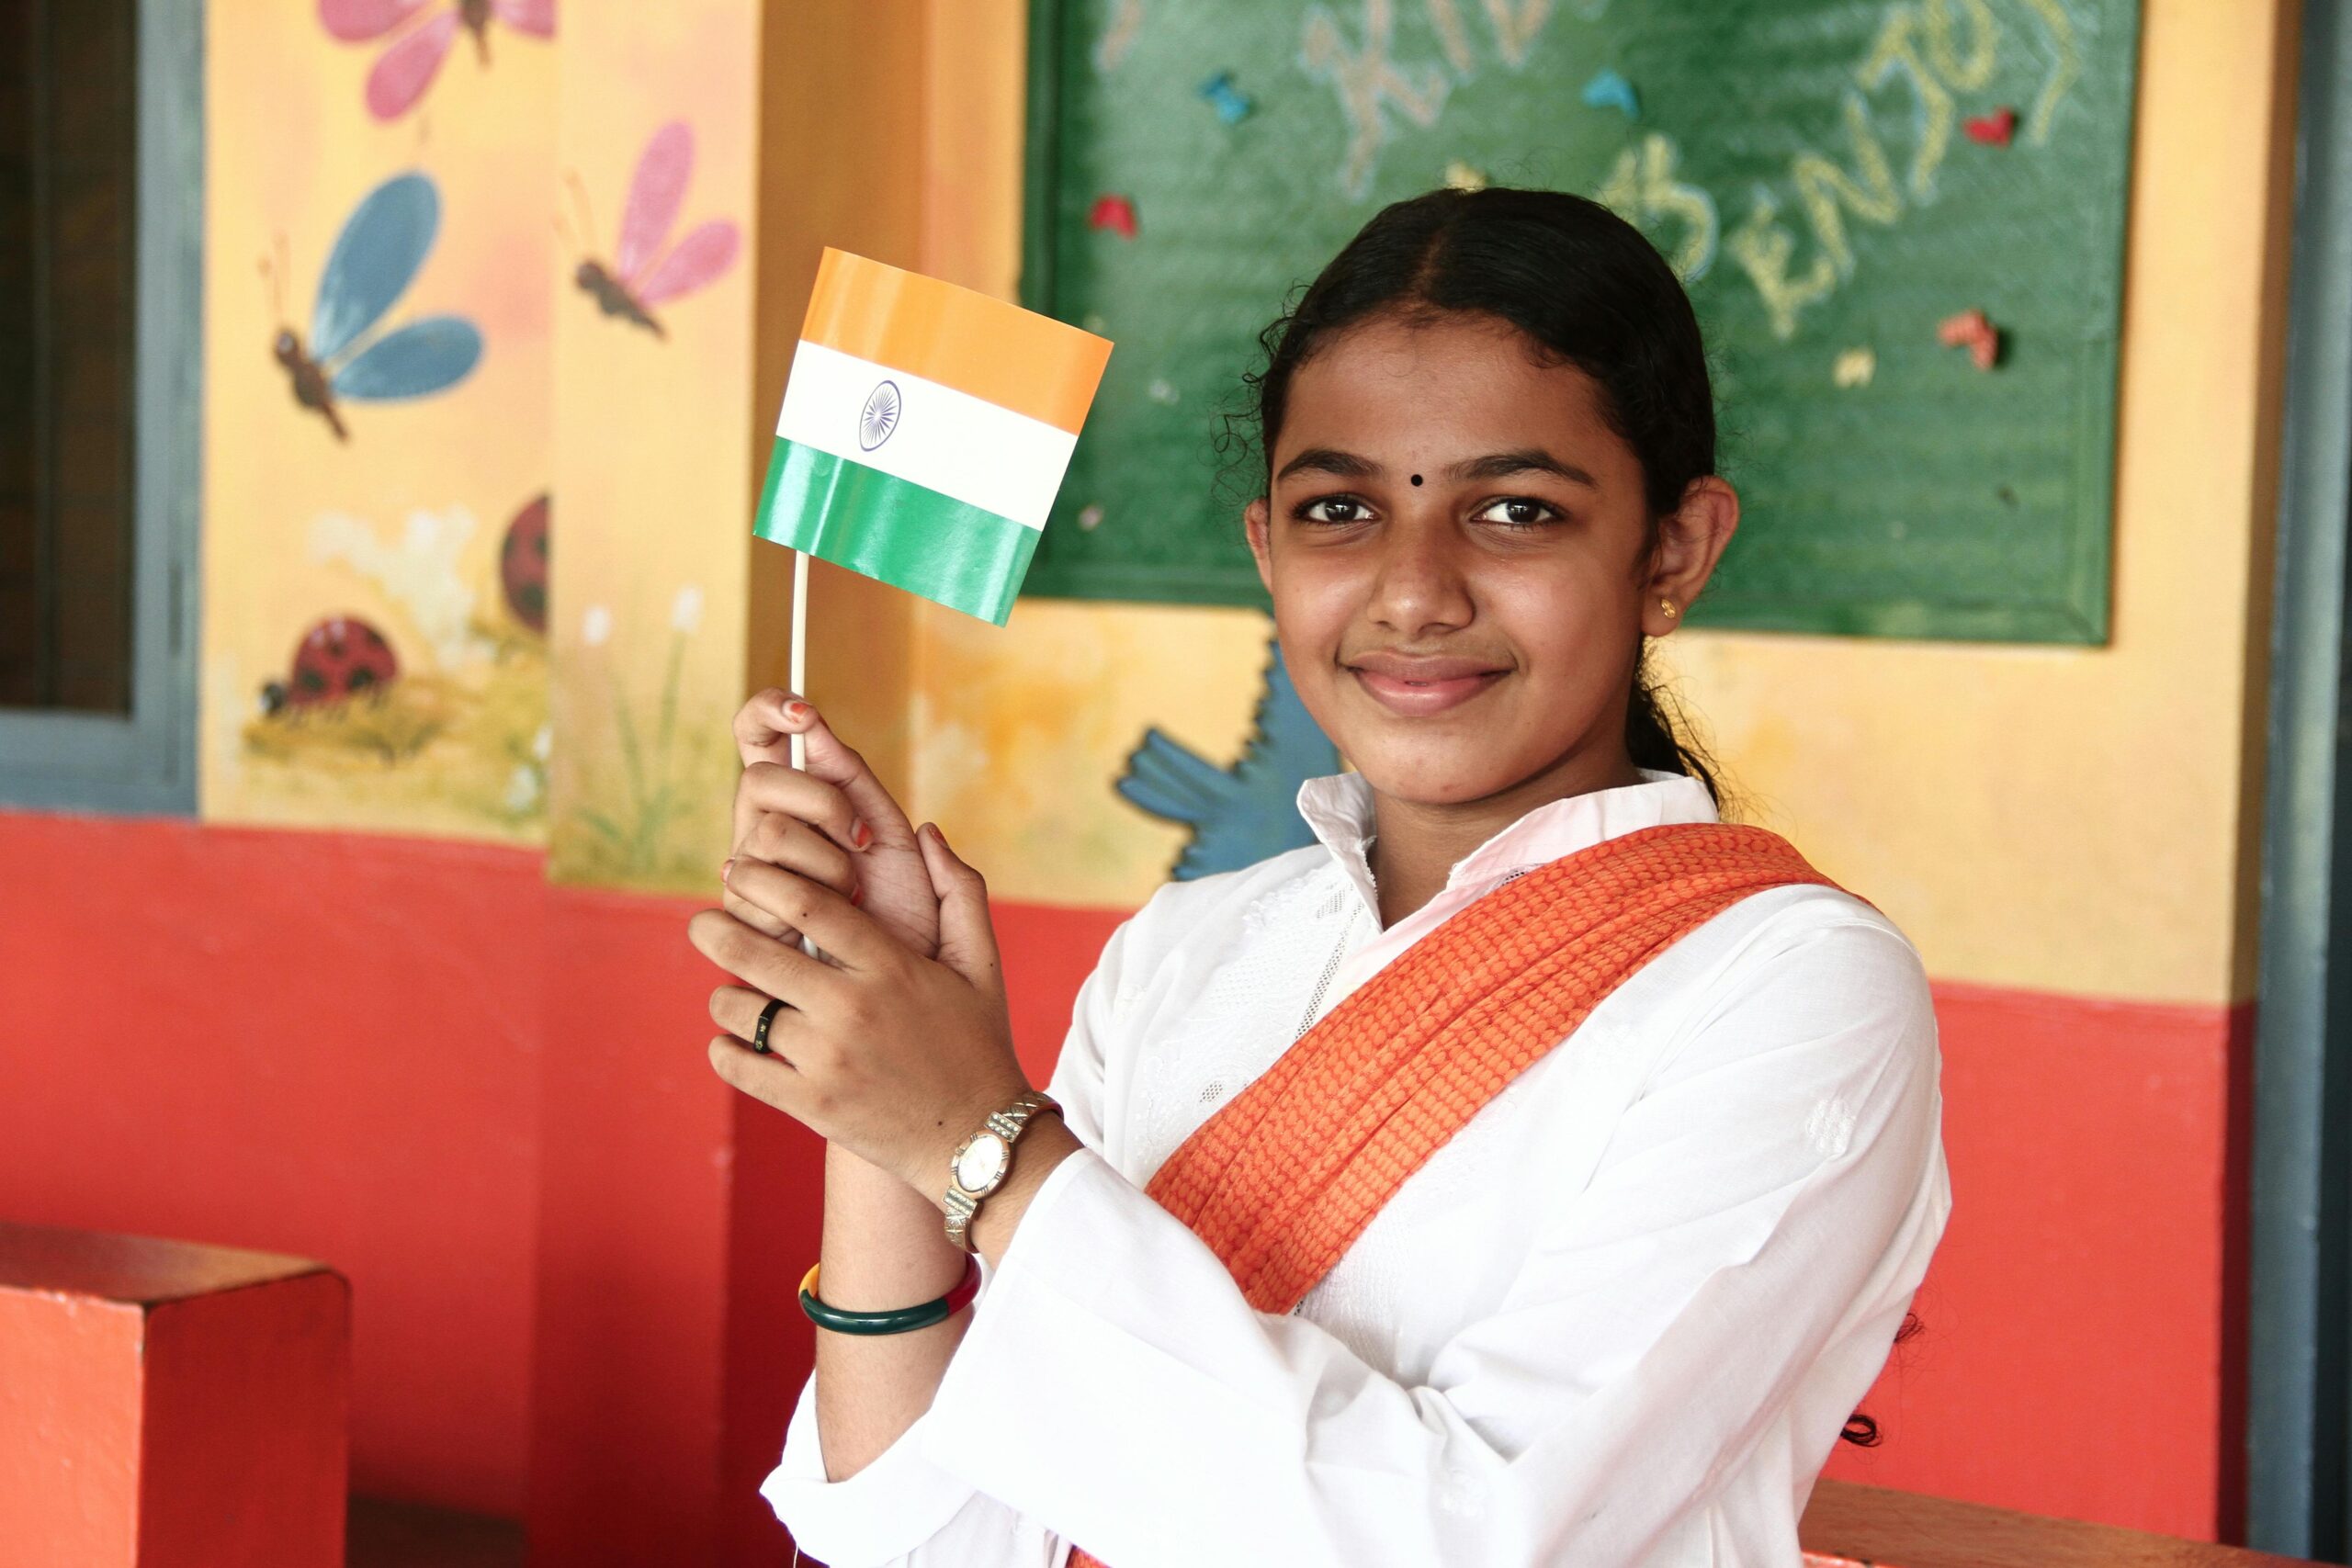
(982, 1161)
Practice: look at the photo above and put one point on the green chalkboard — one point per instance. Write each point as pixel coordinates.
(1828, 176)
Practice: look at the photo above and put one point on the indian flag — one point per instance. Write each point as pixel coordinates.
(925, 430)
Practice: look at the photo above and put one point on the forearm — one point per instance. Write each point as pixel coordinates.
(884, 1246)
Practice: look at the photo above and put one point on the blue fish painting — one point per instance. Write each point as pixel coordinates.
(375, 257)
(1245, 812)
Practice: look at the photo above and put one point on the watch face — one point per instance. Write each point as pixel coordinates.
(982, 1163)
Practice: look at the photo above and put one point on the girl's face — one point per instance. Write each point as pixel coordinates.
(1454, 541)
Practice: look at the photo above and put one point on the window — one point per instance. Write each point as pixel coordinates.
(100, 311)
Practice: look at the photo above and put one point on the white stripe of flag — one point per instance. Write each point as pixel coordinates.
(978, 452)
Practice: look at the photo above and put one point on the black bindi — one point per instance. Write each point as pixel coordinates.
(1417, 478)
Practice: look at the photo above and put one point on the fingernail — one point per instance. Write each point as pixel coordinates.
(860, 835)
(856, 894)
(799, 711)
(725, 867)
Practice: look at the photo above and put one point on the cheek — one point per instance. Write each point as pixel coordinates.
(1315, 601)
(1572, 625)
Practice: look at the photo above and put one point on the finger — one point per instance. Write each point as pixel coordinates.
(849, 936)
(967, 935)
(836, 762)
(762, 733)
(777, 968)
(785, 841)
(771, 788)
(772, 1080)
(737, 1010)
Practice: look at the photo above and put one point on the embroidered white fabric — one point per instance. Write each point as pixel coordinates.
(1619, 1319)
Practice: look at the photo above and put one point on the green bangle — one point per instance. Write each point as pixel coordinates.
(898, 1320)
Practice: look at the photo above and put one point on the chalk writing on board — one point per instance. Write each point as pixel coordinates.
(1368, 83)
(1119, 36)
(1828, 191)
(1641, 187)
(1517, 23)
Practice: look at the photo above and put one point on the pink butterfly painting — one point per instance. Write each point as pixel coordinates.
(409, 64)
(647, 270)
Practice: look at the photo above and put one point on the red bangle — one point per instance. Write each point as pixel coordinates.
(897, 1320)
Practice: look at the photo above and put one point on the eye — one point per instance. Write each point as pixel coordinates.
(1517, 510)
(1332, 509)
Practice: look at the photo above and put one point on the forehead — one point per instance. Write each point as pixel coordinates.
(1438, 389)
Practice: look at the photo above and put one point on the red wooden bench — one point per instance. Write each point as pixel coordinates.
(166, 1404)
(1846, 1526)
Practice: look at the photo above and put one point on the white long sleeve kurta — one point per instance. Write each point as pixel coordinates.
(1619, 1319)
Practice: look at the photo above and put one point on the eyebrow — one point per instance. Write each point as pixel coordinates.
(1330, 461)
(1525, 460)
(1494, 466)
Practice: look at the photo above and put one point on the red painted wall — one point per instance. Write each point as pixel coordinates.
(299, 1043)
(416, 1062)
(2084, 1347)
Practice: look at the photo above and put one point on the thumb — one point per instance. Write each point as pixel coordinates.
(967, 937)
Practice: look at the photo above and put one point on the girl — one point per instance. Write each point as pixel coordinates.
(1536, 1169)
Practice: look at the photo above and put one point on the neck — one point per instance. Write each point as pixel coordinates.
(1417, 844)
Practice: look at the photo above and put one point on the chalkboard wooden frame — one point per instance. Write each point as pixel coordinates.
(2064, 598)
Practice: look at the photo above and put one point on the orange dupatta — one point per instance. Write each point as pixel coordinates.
(1282, 1181)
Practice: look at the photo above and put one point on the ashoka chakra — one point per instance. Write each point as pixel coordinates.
(879, 417)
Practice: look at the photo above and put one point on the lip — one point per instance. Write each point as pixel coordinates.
(1415, 688)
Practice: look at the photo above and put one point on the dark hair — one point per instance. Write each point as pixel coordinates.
(1585, 290)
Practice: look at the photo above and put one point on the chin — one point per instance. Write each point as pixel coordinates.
(1429, 776)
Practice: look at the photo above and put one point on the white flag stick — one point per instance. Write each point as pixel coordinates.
(799, 677)
(800, 649)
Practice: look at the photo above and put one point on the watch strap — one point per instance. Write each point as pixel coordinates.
(1008, 1122)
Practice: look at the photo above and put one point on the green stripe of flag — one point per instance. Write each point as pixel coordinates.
(893, 530)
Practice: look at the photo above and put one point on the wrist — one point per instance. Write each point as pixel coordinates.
(1046, 1144)
(951, 1130)
(986, 1159)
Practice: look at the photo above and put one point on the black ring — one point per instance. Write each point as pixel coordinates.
(760, 1033)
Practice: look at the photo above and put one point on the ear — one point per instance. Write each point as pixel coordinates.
(1691, 540)
(1258, 522)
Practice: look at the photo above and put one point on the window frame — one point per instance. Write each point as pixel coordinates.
(145, 760)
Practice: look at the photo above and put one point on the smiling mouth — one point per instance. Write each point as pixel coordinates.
(1416, 697)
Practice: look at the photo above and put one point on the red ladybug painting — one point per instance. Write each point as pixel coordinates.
(341, 658)
(523, 564)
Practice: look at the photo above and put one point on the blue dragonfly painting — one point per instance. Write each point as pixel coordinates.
(376, 256)
(1242, 814)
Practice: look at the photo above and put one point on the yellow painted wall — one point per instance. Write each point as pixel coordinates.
(400, 526)
(2076, 819)
(653, 440)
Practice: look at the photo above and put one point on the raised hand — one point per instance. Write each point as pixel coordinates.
(887, 1054)
(834, 824)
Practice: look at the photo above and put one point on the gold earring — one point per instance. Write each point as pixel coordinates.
(1668, 605)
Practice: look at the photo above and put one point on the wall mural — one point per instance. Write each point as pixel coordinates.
(376, 256)
(647, 270)
(656, 432)
(645, 696)
(408, 63)
(378, 476)
(1238, 815)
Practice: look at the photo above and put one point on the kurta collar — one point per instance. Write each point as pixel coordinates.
(1338, 806)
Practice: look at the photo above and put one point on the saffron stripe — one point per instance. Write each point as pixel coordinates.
(958, 337)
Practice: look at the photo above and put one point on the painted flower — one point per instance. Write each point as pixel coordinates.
(685, 611)
(543, 743)
(523, 787)
(596, 627)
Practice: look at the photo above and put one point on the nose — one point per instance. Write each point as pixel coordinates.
(1418, 585)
